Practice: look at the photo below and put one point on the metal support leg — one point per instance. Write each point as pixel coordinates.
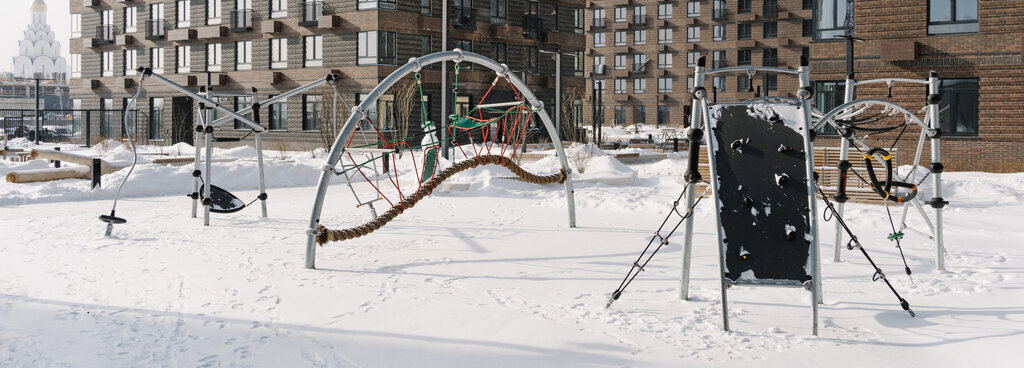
(691, 193)
(263, 182)
(195, 169)
(933, 113)
(207, 202)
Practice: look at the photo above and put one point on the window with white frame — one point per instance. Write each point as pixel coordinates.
(665, 60)
(278, 8)
(380, 4)
(640, 15)
(599, 18)
(367, 53)
(620, 38)
(599, 39)
(278, 53)
(665, 11)
(693, 8)
(719, 59)
(718, 82)
(131, 19)
(599, 85)
(183, 54)
(76, 65)
(639, 85)
(156, 60)
(314, 50)
(213, 12)
(243, 55)
(665, 85)
(620, 86)
(183, 13)
(620, 14)
(214, 57)
(599, 64)
(76, 25)
(692, 34)
(664, 35)
(640, 37)
(689, 82)
(131, 62)
(620, 62)
(719, 33)
(107, 61)
(691, 58)
(639, 63)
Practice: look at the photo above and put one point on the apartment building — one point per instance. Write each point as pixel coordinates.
(641, 53)
(276, 45)
(975, 47)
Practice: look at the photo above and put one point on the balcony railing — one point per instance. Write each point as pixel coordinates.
(770, 10)
(640, 20)
(718, 14)
(533, 26)
(241, 20)
(464, 18)
(156, 29)
(770, 61)
(311, 12)
(105, 34)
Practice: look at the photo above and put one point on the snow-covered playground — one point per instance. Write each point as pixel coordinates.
(489, 276)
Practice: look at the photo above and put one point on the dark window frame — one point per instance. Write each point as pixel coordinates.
(951, 104)
(936, 27)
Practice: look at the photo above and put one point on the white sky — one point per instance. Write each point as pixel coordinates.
(14, 17)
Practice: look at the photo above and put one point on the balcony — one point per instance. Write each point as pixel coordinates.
(104, 34)
(639, 21)
(156, 29)
(464, 18)
(241, 20)
(311, 12)
(639, 70)
(533, 27)
(770, 10)
(600, 24)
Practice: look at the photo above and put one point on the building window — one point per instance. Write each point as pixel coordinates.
(743, 7)
(665, 11)
(639, 85)
(807, 28)
(770, 57)
(378, 4)
(214, 57)
(664, 113)
(692, 9)
(743, 57)
(278, 53)
(833, 18)
(743, 31)
(183, 13)
(599, 64)
(689, 82)
(599, 39)
(107, 61)
(952, 16)
(639, 63)
(106, 117)
(599, 20)
(578, 21)
(664, 35)
(532, 59)
(131, 62)
(771, 29)
(620, 62)
(770, 8)
(156, 118)
(692, 34)
(771, 82)
(499, 11)
(691, 58)
(640, 37)
(719, 60)
(620, 14)
(243, 55)
(718, 83)
(620, 115)
(314, 51)
(639, 114)
(828, 95)
(76, 65)
(156, 60)
(500, 51)
(213, 12)
(425, 8)
(665, 60)
(742, 83)
(242, 102)
(131, 19)
(718, 11)
(312, 111)
(426, 48)
(640, 15)
(665, 85)
(958, 111)
(278, 115)
(76, 25)
(599, 86)
(620, 86)
(807, 4)
(377, 47)
(184, 57)
(279, 8)
(719, 33)
(620, 38)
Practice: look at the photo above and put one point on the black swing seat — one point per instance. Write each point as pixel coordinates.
(222, 201)
(111, 219)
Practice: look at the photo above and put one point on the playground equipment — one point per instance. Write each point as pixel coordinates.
(763, 183)
(488, 134)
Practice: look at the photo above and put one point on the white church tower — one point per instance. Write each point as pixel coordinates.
(39, 51)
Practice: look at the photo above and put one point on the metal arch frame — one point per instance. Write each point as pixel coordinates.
(699, 119)
(415, 65)
(203, 132)
(930, 126)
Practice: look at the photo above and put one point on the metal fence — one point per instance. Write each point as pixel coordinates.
(79, 127)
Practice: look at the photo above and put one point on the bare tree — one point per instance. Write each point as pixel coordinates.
(406, 97)
(333, 115)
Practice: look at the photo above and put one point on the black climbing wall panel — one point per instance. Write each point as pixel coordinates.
(762, 190)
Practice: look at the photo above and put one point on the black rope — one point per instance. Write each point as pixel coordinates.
(896, 236)
(635, 270)
(854, 243)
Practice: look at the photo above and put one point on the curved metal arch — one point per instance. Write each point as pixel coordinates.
(766, 69)
(893, 80)
(829, 117)
(414, 65)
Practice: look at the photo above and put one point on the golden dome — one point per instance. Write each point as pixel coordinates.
(38, 5)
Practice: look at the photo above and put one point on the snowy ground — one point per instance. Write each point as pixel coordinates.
(489, 277)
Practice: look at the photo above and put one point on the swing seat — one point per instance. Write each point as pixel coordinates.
(222, 201)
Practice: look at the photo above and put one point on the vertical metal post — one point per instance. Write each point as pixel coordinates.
(259, 154)
(691, 190)
(97, 173)
(88, 129)
(38, 117)
(844, 156)
(558, 92)
(208, 146)
(56, 163)
(812, 203)
(444, 81)
(937, 201)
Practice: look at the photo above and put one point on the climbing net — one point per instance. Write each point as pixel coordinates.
(402, 170)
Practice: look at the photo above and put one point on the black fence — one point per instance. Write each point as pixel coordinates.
(78, 127)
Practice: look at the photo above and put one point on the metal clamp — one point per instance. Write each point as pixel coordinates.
(416, 60)
(461, 56)
(504, 71)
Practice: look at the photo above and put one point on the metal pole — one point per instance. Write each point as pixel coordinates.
(844, 156)
(197, 129)
(558, 92)
(38, 118)
(691, 190)
(444, 81)
(805, 103)
(259, 154)
(937, 202)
